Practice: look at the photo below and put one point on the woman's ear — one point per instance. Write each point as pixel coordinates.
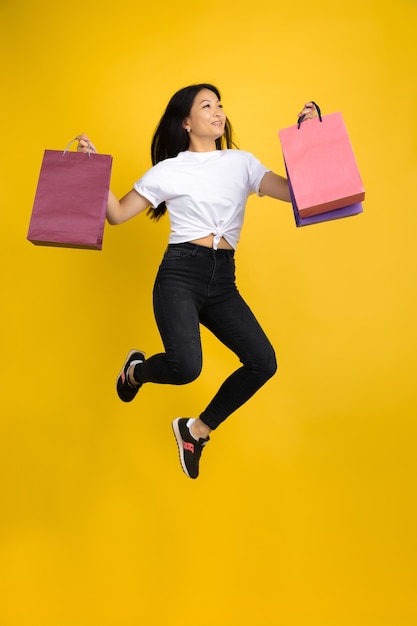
(186, 124)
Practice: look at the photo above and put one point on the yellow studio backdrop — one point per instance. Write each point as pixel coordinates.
(305, 509)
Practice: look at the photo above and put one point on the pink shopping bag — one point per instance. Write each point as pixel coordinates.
(70, 203)
(336, 214)
(321, 165)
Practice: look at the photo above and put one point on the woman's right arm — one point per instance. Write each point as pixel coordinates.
(118, 211)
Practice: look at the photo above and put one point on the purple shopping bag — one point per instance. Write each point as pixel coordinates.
(70, 203)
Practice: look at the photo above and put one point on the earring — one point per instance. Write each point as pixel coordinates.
(188, 130)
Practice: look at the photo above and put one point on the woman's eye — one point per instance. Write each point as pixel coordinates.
(208, 106)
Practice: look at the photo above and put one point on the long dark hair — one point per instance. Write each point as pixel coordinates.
(171, 138)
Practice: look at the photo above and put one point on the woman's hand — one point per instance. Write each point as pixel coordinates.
(309, 111)
(84, 144)
(117, 211)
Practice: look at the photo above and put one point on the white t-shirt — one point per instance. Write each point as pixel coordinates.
(205, 192)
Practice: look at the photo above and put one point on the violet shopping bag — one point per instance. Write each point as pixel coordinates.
(321, 165)
(347, 211)
(70, 203)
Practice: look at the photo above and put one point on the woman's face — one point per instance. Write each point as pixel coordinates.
(206, 120)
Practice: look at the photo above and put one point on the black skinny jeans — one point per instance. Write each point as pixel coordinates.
(196, 285)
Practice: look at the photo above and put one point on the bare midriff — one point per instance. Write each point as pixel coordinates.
(208, 243)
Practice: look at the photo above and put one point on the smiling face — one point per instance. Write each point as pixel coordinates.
(205, 121)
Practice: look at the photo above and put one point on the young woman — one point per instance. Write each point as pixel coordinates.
(203, 184)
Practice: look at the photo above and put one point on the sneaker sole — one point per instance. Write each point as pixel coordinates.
(178, 437)
(126, 360)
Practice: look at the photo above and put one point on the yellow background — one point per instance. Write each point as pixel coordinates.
(305, 510)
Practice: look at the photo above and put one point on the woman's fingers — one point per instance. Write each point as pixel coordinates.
(84, 144)
(309, 111)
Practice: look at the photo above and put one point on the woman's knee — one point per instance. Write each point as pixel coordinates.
(270, 365)
(267, 365)
(186, 371)
(263, 368)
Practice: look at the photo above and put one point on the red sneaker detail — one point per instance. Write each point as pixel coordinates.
(188, 446)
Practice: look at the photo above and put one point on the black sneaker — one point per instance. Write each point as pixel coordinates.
(125, 389)
(189, 448)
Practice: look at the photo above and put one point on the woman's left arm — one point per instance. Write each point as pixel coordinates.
(276, 186)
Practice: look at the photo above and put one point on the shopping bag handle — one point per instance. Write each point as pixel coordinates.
(91, 147)
(301, 118)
